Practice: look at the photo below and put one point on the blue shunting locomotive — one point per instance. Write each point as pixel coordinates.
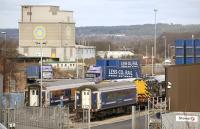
(106, 99)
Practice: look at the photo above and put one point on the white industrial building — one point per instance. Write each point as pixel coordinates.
(51, 26)
(85, 52)
(114, 54)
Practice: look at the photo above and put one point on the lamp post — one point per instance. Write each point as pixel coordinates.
(39, 34)
(4, 61)
(41, 70)
(165, 40)
(146, 54)
(152, 58)
(155, 36)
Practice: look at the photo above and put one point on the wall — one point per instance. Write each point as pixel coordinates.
(175, 120)
(43, 13)
(60, 31)
(185, 90)
(57, 34)
(85, 52)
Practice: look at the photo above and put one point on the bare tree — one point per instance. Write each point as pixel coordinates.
(8, 56)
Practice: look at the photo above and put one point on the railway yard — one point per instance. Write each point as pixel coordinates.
(56, 79)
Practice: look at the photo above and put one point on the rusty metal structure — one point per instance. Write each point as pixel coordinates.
(183, 87)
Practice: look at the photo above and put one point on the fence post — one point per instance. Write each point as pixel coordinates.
(169, 104)
(145, 121)
(133, 117)
(165, 104)
(68, 126)
(157, 100)
(161, 105)
(153, 103)
(148, 114)
(84, 119)
(89, 118)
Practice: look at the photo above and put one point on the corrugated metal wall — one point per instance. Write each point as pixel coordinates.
(185, 90)
(1, 93)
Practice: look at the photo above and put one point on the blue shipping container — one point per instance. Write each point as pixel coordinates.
(197, 51)
(189, 43)
(180, 60)
(180, 51)
(129, 63)
(189, 52)
(197, 42)
(197, 60)
(118, 63)
(33, 72)
(189, 60)
(110, 73)
(113, 63)
(101, 63)
(180, 43)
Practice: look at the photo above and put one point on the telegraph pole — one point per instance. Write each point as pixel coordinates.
(5, 88)
(155, 35)
(39, 34)
(152, 58)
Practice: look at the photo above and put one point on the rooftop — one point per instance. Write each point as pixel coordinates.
(110, 86)
(60, 84)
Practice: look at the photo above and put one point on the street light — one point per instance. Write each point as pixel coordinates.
(155, 11)
(5, 35)
(4, 60)
(39, 34)
(165, 40)
(41, 71)
(152, 58)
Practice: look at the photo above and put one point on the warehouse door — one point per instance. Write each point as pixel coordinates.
(86, 99)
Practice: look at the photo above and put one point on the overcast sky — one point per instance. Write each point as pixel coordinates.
(111, 12)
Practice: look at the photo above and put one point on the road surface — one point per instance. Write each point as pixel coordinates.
(123, 124)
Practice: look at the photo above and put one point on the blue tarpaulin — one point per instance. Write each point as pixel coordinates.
(13, 100)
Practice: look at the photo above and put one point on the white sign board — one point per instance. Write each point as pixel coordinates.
(185, 118)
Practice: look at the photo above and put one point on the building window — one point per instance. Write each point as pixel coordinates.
(57, 65)
(29, 13)
(65, 65)
(33, 92)
(26, 51)
(61, 65)
(53, 52)
(68, 19)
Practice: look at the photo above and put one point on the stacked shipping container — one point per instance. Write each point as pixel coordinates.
(197, 51)
(180, 52)
(119, 69)
(187, 51)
